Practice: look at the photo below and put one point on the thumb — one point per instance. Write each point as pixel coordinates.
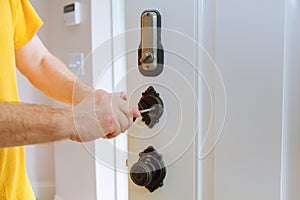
(123, 95)
(135, 112)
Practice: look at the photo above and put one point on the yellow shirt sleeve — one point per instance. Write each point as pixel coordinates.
(26, 24)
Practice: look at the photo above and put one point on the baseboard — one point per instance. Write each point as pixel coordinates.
(44, 191)
(57, 198)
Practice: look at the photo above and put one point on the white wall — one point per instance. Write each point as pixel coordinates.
(79, 175)
(69, 166)
(249, 53)
(66, 165)
(74, 167)
(40, 158)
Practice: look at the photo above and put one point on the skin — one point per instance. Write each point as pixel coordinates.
(91, 114)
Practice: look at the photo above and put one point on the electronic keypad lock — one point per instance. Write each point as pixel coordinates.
(151, 53)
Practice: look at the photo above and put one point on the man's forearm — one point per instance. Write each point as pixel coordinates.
(24, 124)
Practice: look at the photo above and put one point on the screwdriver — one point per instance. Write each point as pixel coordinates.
(154, 107)
(146, 110)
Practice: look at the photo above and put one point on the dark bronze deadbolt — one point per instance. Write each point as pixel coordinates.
(151, 99)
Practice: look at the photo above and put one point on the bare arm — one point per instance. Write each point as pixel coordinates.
(100, 114)
(23, 124)
(93, 114)
(49, 74)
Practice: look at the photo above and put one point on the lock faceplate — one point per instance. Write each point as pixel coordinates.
(151, 99)
(150, 53)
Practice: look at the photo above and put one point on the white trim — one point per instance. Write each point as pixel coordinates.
(119, 84)
(58, 198)
(43, 190)
(290, 161)
(206, 38)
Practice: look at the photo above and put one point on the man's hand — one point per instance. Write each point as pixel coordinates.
(93, 114)
(102, 114)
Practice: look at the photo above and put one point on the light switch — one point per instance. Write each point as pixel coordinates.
(76, 63)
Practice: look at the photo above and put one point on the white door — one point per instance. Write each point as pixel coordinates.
(175, 135)
(246, 41)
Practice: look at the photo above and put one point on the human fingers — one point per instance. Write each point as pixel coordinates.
(123, 95)
(111, 135)
(124, 122)
(135, 111)
(108, 122)
(125, 108)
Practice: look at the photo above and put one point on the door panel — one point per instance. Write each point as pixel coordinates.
(175, 135)
(248, 49)
(249, 54)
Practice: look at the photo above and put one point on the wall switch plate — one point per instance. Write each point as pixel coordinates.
(76, 63)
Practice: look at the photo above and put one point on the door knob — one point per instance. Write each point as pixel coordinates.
(149, 171)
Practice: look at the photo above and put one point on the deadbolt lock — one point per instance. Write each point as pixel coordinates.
(151, 100)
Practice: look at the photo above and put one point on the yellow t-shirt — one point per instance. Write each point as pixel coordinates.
(18, 23)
